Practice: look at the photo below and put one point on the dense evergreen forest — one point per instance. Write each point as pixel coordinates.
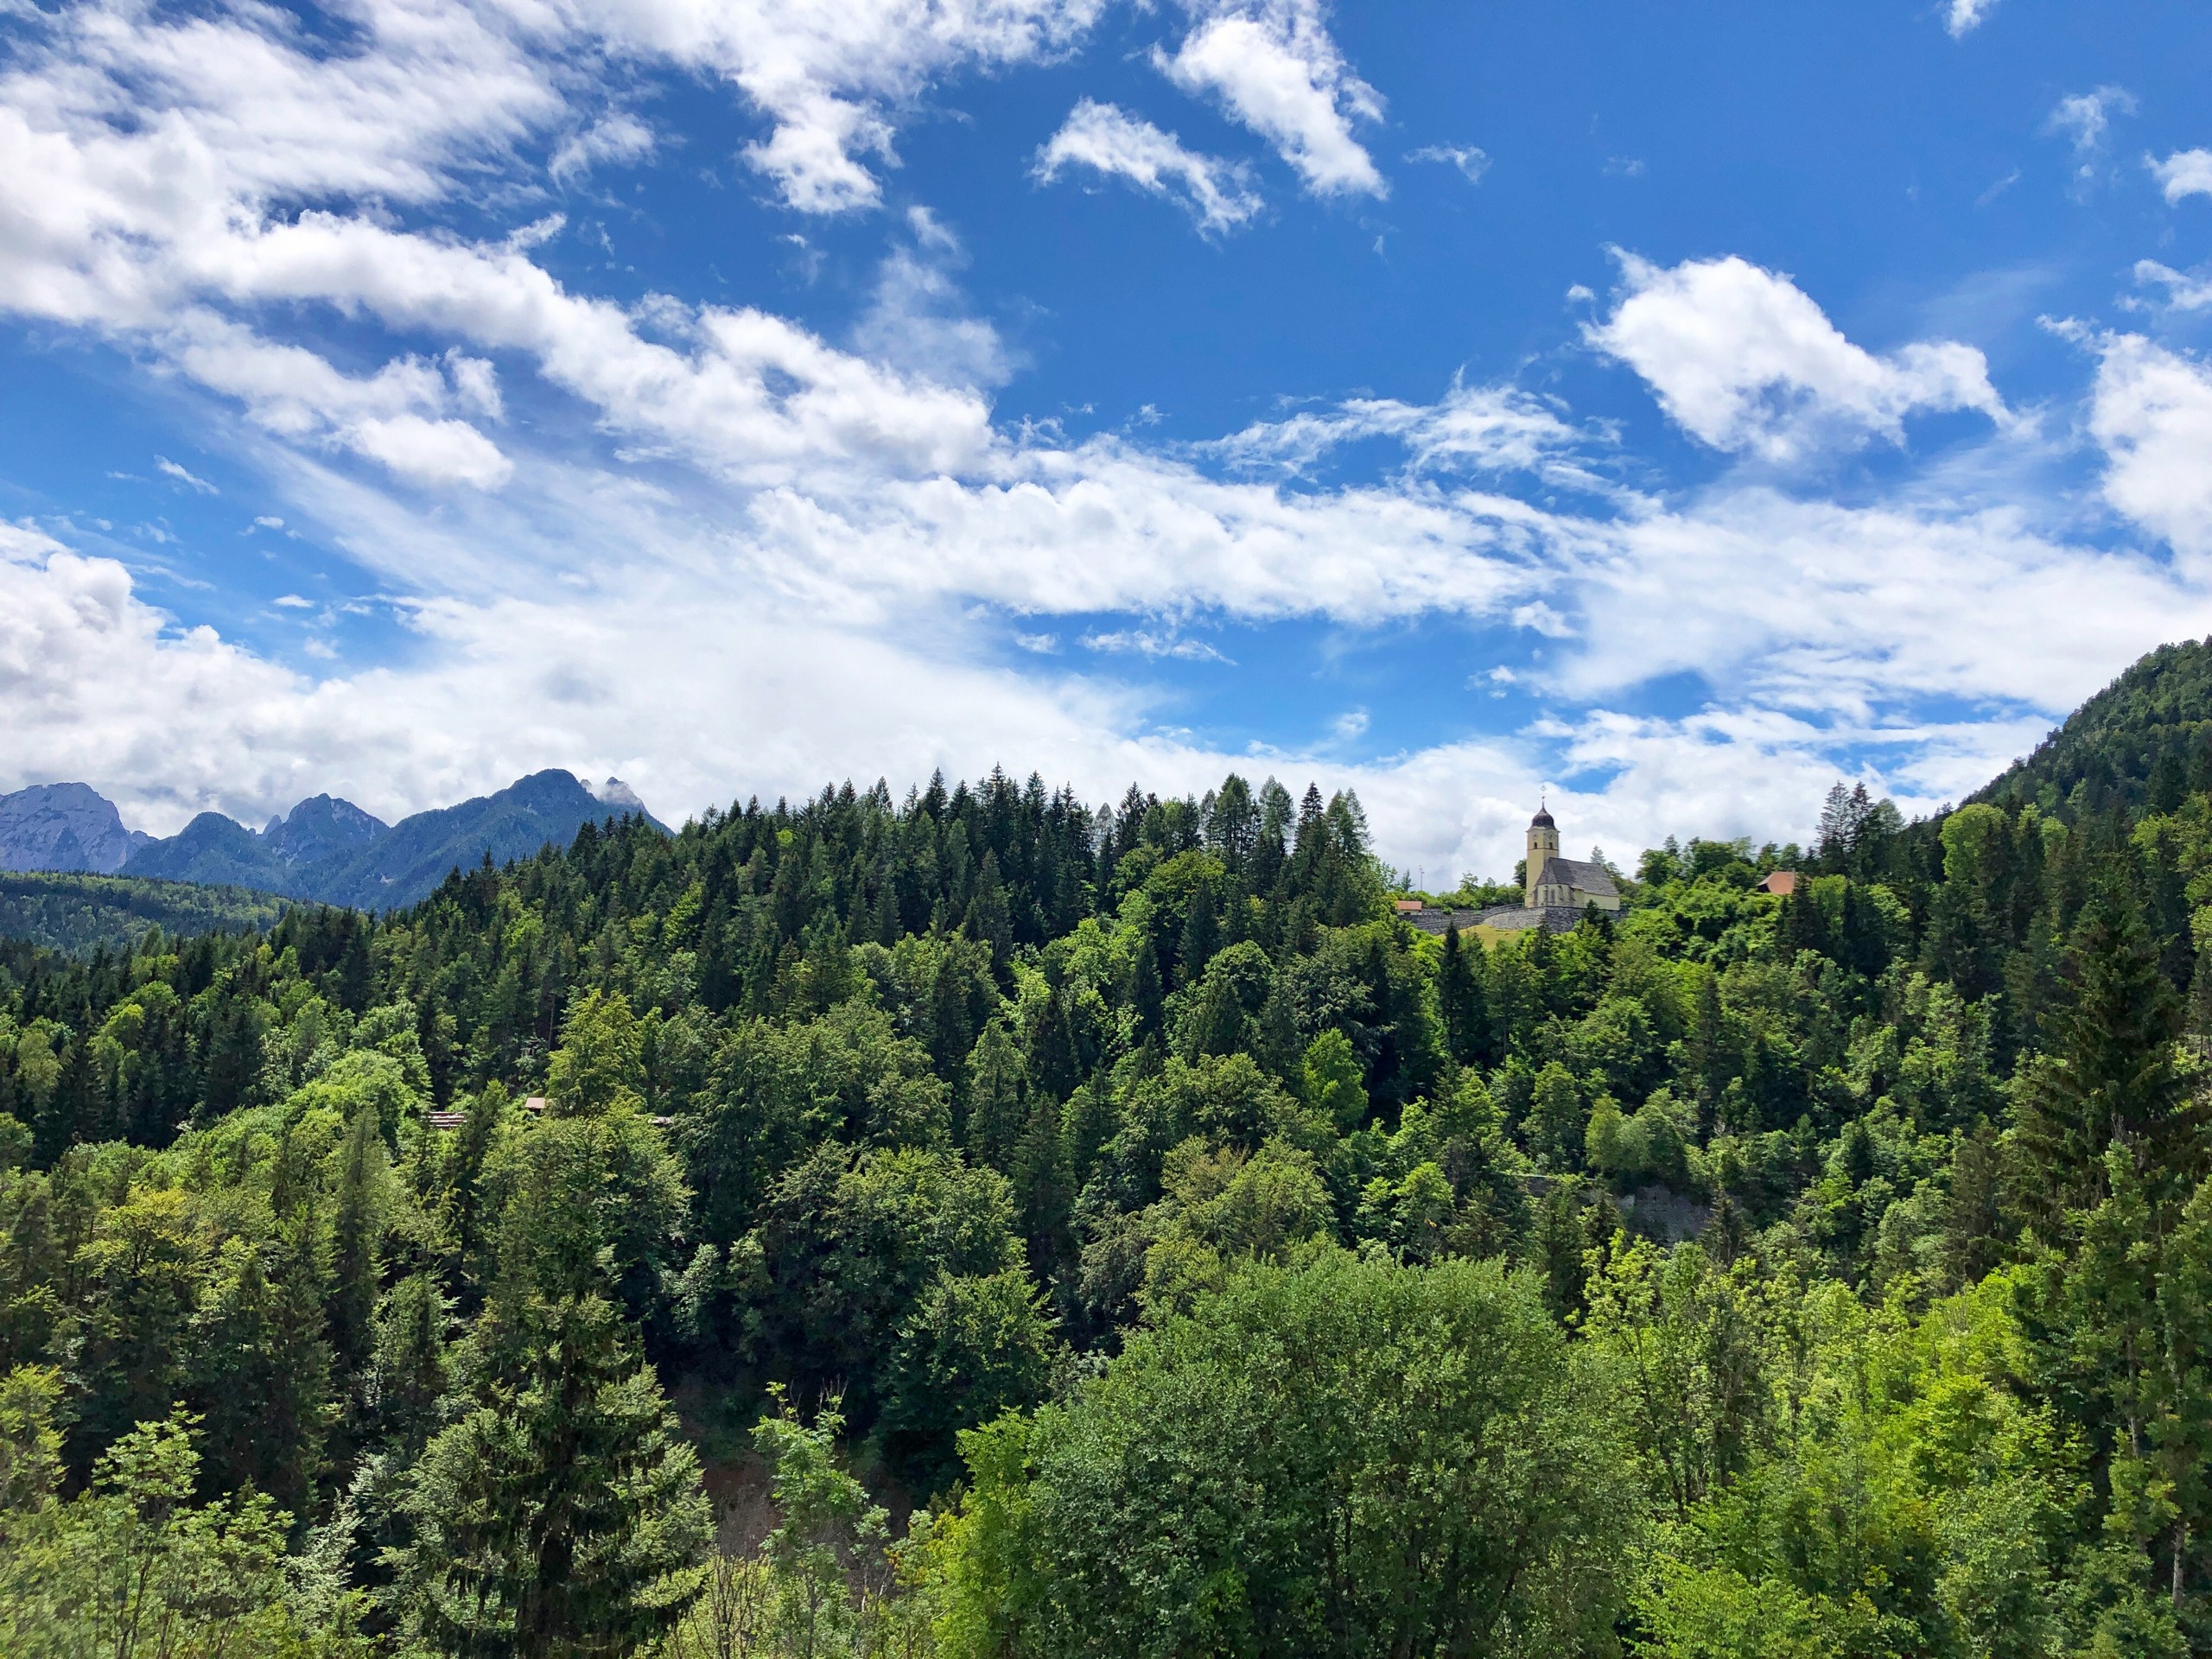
(73, 914)
(979, 1224)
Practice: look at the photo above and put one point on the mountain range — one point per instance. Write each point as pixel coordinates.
(324, 850)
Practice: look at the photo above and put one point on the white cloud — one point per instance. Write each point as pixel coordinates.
(1273, 63)
(162, 464)
(918, 321)
(1108, 139)
(1472, 162)
(1144, 642)
(724, 502)
(2185, 290)
(433, 452)
(1742, 359)
(1477, 428)
(620, 138)
(1962, 17)
(2185, 173)
(2152, 412)
(833, 77)
(1858, 612)
(2083, 119)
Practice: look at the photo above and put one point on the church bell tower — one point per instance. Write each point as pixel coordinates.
(1543, 844)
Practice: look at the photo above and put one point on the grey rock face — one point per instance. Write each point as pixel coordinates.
(63, 827)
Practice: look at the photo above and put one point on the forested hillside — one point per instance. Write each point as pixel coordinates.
(75, 914)
(1119, 1232)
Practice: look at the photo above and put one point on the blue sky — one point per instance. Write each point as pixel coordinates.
(1678, 409)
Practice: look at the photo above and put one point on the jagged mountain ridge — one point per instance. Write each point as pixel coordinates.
(326, 850)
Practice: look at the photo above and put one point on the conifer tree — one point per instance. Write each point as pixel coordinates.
(560, 1515)
(2112, 1077)
(1461, 1001)
(357, 1235)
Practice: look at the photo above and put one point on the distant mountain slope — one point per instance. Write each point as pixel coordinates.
(74, 913)
(63, 827)
(407, 862)
(280, 859)
(2146, 738)
(332, 852)
(322, 826)
(214, 849)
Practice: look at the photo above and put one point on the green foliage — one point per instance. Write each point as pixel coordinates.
(600, 1066)
(1332, 1079)
(1820, 1273)
(2110, 749)
(976, 1347)
(133, 1566)
(76, 915)
(1343, 1459)
(561, 1513)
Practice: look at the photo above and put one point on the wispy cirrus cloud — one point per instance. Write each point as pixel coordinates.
(1107, 140)
(1471, 162)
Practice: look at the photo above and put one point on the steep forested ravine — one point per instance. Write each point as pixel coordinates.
(1215, 1260)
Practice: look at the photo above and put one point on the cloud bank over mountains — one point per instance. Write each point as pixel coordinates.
(704, 546)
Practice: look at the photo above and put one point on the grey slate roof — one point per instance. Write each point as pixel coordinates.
(1581, 875)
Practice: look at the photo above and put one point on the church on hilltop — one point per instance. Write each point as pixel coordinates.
(1556, 883)
(1556, 891)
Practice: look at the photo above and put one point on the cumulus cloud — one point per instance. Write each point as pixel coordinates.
(2152, 412)
(1145, 642)
(918, 321)
(1742, 359)
(2084, 119)
(2184, 290)
(1479, 428)
(1274, 67)
(1109, 140)
(1858, 612)
(2185, 173)
(433, 452)
(517, 683)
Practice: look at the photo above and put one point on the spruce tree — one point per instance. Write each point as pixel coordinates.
(357, 1235)
(1461, 1000)
(2112, 1076)
(561, 1513)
